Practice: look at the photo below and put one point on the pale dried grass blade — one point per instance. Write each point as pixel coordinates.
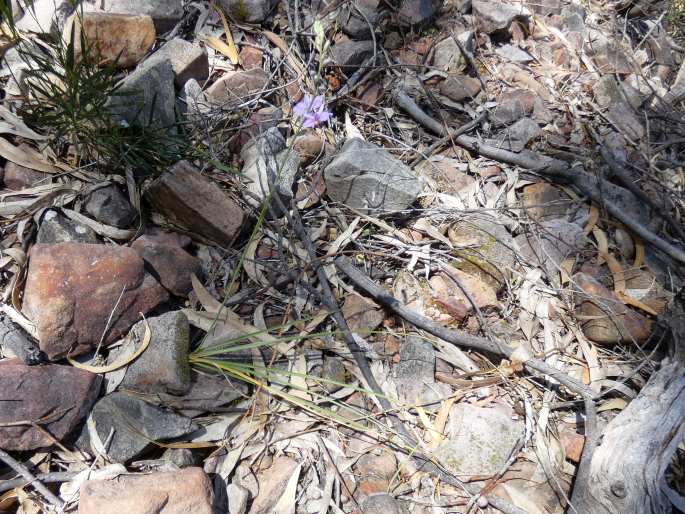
(231, 50)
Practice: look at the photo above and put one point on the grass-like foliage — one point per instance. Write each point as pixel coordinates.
(68, 91)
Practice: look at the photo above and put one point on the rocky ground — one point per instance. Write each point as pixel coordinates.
(372, 256)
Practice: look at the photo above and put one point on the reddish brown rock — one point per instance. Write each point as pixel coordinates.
(56, 397)
(251, 57)
(123, 39)
(188, 491)
(72, 288)
(605, 318)
(194, 203)
(172, 265)
(573, 444)
(19, 177)
(238, 86)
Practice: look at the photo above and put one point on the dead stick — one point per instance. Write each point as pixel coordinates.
(456, 337)
(328, 298)
(48, 478)
(546, 166)
(24, 472)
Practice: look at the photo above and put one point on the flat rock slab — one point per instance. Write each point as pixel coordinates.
(135, 424)
(188, 491)
(194, 203)
(61, 394)
(72, 289)
(481, 439)
(366, 177)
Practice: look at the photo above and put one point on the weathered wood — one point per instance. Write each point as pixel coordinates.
(625, 472)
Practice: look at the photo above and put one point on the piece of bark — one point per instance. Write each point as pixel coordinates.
(626, 471)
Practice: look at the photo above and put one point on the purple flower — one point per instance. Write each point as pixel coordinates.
(312, 109)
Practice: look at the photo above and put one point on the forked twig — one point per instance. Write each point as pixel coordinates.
(456, 337)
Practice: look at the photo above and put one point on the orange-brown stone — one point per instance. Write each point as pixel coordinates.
(72, 288)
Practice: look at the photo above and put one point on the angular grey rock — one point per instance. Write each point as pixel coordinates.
(14, 344)
(147, 97)
(358, 20)
(188, 60)
(251, 11)
(494, 16)
(366, 177)
(57, 228)
(350, 54)
(418, 12)
(207, 393)
(134, 424)
(517, 136)
(266, 162)
(163, 367)
(513, 53)
(448, 56)
(164, 13)
(193, 101)
(480, 439)
(108, 205)
(194, 203)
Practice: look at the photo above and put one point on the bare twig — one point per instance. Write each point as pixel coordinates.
(328, 298)
(47, 478)
(29, 477)
(456, 337)
(551, 168)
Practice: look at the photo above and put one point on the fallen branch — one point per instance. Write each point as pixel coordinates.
(551, 168)
(424, 463)
(623, 468)
(29, 477)
(46, 478)
(456, 337)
